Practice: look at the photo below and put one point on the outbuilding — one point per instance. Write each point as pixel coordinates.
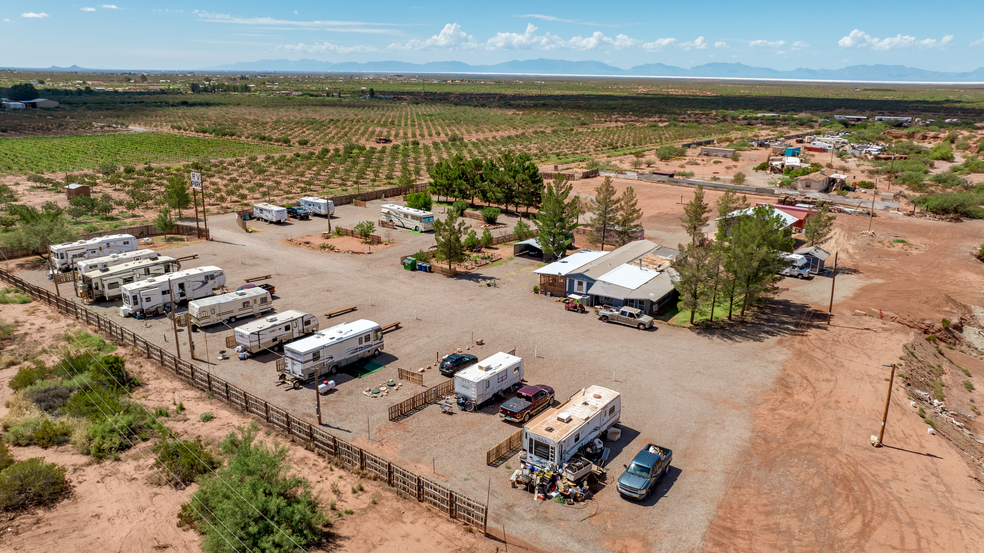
(74, 190)
(717, 152)
(816, 256)
(529, 247)
(41, 103)
(7, 103)
(553, 277)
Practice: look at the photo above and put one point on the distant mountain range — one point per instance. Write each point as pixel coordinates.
(855, 73)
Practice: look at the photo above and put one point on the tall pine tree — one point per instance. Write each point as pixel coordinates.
(556, 219)
(604, 212)
(696, 215)
(628, 222)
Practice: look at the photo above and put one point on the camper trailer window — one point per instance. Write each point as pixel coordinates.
(245, 304)
(111, 285)
(367, 338)
(287, 328)
(316, 356)
(263, 300)
(515, 370)
(127, 280)
(209, 277)
(307, 322)
(379, 335)
(360, 340)
(577, 438)
(611, 411)
(213, 311)
(502, 376)
(541, 450)
(126, 242)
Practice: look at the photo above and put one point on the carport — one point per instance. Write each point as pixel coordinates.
(530, 247)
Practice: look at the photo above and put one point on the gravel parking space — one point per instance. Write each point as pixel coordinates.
(691, 392)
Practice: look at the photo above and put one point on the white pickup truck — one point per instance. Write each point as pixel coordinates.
(629, 316)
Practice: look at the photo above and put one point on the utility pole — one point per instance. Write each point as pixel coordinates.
(317, 394)
(891, 380)
(830, 309)
(174, 321)
(196, 185)
(874, 192)
(191, 341)
(54, 274)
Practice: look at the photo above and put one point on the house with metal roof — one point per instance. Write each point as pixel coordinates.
(634, 285)
(41, 103)
(553, 277)
(789, 221)
(7, 103)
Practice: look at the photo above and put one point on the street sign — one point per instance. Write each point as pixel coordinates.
(196, 181)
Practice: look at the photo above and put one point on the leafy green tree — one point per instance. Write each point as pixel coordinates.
(449, 235)
(81, 206)
(177, 195)
(7, 196)
(666, 153)
(487, 238)
(604, 213)
(818, 225)
(628, 223)
(556, 219)
(365, 229)
(694, 273)
(105, 204)
(420, 200)
(696, 215)
(761, 241)
(255, 503)
(522, 230)
(471, 241)
(164, 222)
(725, 280)
(21, 92)
(490, 215)
(108, 168)
(38, 228)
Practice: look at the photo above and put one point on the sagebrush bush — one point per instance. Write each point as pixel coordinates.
(31, 483)
(109, 437)
(29, 374)
(48, 398)
(183, 461)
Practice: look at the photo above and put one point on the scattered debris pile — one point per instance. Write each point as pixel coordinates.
(947, 329)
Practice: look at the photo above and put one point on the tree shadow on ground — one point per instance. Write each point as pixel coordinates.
(778, 318)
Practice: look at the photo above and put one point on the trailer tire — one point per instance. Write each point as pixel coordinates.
(416, 229)
(232, 319)
(296, 385)
(604, 318)
(333, 369)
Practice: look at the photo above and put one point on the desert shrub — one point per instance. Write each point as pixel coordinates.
(522, 230)
(49, 398)
(487, 238)
(206, 416)
(420, 200)
(666, 153)
(739, 178)
(52, 433)
(96, 403)
(941, 152)
(285, 512)
(89, 342)
(73, 364)
(13, 295)
(867, 184)
(962, 145)
(471, 241)
(22, 434)
(764, 166)
(423, 256)
(31, 483)
(459, 206)
(491, 215)
(110, 370)
(912, 178)
(5, 458)
(114, 434)
(947, 180)
(183, 461)
(29, 374)
(962, 204)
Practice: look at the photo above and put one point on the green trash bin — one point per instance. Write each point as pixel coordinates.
(410, 264)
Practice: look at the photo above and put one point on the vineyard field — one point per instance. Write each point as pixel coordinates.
(80, 152)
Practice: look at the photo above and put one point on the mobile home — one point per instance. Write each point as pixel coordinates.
(275, 330)
(270, 213)
(229, 307)
(89, 265)
(407, 217)
(153, 296)
(551, 439)
(107, 283)
(64, 256)
(332, 349)
(318, 206)
(490, 376)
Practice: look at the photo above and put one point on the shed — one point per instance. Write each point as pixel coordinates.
(7, 103)
(816, 182)
(792, 152)
(529, 247)
(73, 190)
(668, 174)
(41, 103)
(816, 256)
(717, 152)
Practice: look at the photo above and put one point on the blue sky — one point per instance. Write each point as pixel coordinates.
(192, 35)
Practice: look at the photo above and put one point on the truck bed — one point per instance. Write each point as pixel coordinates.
(514, 406)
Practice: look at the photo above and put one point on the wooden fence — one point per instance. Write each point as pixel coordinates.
(310, 435)
(410, 376)
(374, 239)
(428, 396)
(502, 451)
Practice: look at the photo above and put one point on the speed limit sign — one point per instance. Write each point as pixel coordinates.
(196, 181)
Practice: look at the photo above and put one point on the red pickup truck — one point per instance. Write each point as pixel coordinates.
(529, 401)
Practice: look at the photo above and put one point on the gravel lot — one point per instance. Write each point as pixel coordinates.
(691, 392)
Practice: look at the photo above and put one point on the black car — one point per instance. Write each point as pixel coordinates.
(298, 213)
(455, 362)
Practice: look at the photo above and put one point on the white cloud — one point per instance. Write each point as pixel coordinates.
(978, 42)
(88, 9)
(325, 48)
(767, 43)
(5, 20)
(860, 39)
(698, 43)
(721, 44)
(295, 12)
(598, 39)
(545, 17)
(659, 44)
(450, 37)
(800, 45)
(336, 26)
(32, 15)
(780, 52)
(110, 6)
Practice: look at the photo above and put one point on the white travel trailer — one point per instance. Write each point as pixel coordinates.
(89, 265)
(552, 438)
(107, 283)
(229, 307)
(64, 256)
(275, 330)
(408, 217)
(482, 381)
(270, 213)
(332, 349)
(318, 206)
(153, 296)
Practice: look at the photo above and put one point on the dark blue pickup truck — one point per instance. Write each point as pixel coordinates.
(640, 476)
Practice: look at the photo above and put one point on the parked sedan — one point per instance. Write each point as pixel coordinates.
(455, 362)
(268, 287)
(298, 213)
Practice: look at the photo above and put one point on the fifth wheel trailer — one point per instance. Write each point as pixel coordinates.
(89, 265)
(332, 349)
(107, 283)
(64, 256)
(229, 307)
(153, 296)
(551, 439)
(275, 330)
